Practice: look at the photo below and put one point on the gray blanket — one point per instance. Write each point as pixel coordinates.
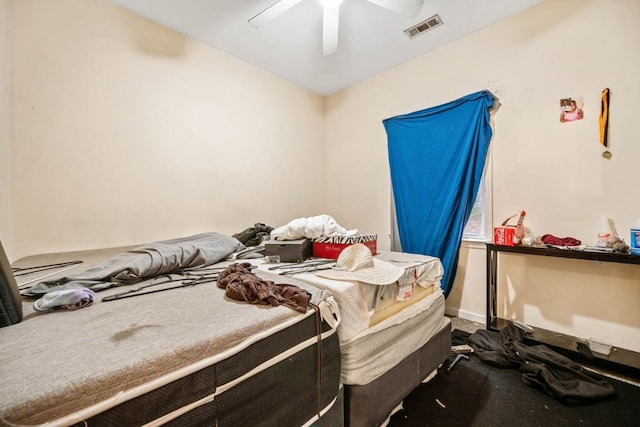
(145, 262)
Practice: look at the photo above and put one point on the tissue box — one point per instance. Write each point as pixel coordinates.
(288, 250)
(330, 247)
(503, 235)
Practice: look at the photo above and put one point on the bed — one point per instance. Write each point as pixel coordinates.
(392, 337)
(186, 356)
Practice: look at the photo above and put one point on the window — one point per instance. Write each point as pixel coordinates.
(478, 228)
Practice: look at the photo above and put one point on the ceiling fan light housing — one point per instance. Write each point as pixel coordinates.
(330, 3)
(331, 16)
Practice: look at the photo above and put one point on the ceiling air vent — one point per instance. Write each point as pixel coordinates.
(423, 26)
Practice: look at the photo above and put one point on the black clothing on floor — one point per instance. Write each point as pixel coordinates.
(541, 367)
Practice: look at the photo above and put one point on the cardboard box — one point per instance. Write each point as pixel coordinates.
(287, 250)
(503, 235)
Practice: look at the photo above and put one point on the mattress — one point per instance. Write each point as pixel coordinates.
(381, 325)
(186, 356)
(423, 275)
(363, 305)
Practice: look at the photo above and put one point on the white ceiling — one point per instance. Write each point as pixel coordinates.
(371, 38)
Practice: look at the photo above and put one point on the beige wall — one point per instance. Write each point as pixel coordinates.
(125, 132)
(554, 171)
(5, 133)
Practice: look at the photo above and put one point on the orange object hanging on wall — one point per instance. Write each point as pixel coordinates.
(604, 122)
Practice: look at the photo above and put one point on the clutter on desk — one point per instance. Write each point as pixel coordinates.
(606, 240)
(635, 238)
(604, 233)
(551, 240)
(618, 245)
(509, 235)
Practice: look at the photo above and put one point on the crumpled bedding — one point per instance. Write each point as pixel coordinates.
(145, 262)
(240, 284)
(311, 228)
(541, 367)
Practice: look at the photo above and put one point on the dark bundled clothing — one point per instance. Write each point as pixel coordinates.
(541, 367)
(242, 285)
(254, 236)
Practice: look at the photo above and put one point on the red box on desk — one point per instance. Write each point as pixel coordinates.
(503, 235)
(330, 247)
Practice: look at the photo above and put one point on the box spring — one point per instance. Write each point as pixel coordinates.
(285, 393)
(371, 404)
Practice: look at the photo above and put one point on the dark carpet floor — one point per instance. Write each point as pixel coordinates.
(476, 394)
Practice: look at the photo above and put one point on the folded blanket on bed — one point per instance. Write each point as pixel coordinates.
(145, 262)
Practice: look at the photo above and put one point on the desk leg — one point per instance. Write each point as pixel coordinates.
(492, 286)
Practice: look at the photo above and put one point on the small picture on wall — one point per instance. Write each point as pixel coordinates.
(571, 109)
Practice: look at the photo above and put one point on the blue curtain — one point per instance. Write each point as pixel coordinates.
(437, 157)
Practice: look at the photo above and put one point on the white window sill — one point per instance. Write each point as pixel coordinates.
(474, 243)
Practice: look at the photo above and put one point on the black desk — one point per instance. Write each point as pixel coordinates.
(618, 355)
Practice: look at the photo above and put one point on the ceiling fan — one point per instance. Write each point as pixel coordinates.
(331, 16)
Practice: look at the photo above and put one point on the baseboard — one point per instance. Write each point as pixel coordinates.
(466, 315)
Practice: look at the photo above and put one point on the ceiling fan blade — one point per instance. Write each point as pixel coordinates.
(271, 12)
(330, 21)
(408, 8)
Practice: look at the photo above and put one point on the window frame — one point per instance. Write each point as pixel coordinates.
(484, 201)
